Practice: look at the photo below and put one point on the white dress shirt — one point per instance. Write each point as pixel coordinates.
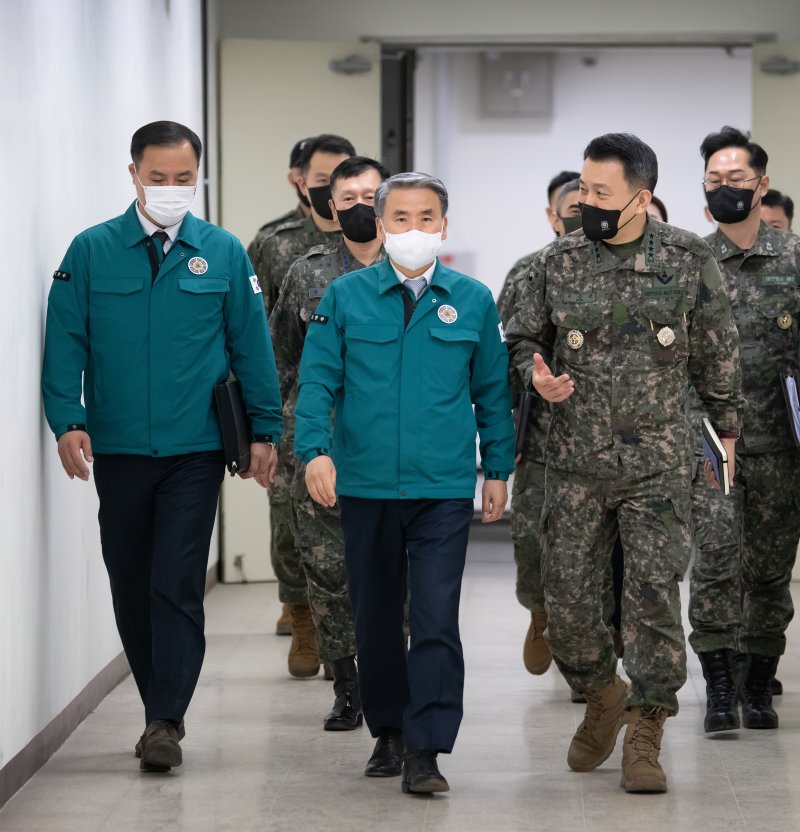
(427, 274)
(150, 228)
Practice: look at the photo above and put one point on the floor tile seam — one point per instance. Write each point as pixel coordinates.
(732, 788)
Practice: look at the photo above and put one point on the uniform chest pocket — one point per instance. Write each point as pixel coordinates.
(117, 285)
(667, 333)
(578, 326)
(446, 335)
(204, 285)
(368, 334)
(774, 323)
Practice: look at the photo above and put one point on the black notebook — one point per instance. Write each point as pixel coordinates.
(789, 384)
(714, 451)
(234, 425)
(523, 413)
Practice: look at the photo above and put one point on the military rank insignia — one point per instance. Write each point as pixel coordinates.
(785, 321)
(575, 339)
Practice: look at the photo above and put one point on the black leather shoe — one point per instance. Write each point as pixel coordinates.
(387, 758)
(138, 748)
(346, 712)
(161, 749)
(421, 775)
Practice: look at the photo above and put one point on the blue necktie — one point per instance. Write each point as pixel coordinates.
(417, 285)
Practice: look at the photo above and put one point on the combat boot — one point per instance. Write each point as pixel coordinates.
(536, 651)
(596, 735)
(346, 712)
(757, 710)
(641, 771)
(722, 712)
(283, 627)
(303, 654)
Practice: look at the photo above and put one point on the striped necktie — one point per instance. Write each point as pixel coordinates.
(417, 285)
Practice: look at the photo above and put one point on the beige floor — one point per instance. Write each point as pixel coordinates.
(257, 759)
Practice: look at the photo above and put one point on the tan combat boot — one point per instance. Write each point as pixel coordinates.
(641, 771)
(284, 624)
(596, 735)
(536, 651)
(303, 654)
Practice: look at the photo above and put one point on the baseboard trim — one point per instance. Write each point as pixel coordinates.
(17, 771)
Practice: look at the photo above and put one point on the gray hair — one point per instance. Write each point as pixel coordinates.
(410, 180)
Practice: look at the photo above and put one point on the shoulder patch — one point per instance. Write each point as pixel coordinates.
(58, 275)
(318, 319)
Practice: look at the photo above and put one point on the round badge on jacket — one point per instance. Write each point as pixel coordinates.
(197, 265)
(447, 314)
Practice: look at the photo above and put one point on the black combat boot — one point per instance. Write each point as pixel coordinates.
(346, 712)
(757, 710)
(722, 713)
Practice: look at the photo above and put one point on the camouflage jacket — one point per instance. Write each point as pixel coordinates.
(264, 231)
(539, 413)
(305, 284)
(631, 333)
(763, 285)
(276, 250)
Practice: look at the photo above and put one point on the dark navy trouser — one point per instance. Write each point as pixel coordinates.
(156, 518)
(419, 545)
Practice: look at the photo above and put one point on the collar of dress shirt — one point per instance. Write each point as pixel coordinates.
(150, 228)
(427, 274)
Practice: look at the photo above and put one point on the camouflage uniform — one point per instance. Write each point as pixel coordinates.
(747, 543)
(618, 451)
(268, 227)
(527, 496)
(317, 528)
(272, 253)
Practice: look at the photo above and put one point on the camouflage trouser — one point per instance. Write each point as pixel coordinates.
(580, 519)
(284, 555)
(767, 489)
(318, 531)
(715, 595)
(527, 500)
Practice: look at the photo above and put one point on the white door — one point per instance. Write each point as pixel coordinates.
(272, 93)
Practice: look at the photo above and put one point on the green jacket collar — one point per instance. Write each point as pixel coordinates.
(133, 233)
(387, 278)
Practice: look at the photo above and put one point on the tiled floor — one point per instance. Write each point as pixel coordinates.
(257, 759)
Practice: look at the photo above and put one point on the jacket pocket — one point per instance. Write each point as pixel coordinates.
(117, 285)
(378, 334)
(200, 285)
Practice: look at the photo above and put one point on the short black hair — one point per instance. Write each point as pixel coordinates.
(297, 152)
(326, 143)
(560, 179)
(163, 134)
(775, 199)
(355, 166)
(639, 162)
(731, 137)
(660, 205)
(566, 189)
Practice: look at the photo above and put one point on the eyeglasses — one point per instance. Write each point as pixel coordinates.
(713, 182)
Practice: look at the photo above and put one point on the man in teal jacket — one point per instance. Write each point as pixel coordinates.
(146, 313)
(400, 353)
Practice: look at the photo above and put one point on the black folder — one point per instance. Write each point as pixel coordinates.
(789, 384)
(714, 451)
(234, 425)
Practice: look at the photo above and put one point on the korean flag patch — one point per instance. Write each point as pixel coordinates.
(502, 333)
(255, 284)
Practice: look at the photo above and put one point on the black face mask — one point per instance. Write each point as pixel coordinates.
(729, 204)
(603, 223)
(358, 223)
(301, 196)
(319, 199)
(572, 223)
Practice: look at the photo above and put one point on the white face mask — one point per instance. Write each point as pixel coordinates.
(168, 204)
(413, 249)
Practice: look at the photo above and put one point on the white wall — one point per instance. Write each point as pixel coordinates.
(77, 79)
(497, 170)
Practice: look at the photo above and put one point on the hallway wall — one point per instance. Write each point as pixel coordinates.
(79, 76)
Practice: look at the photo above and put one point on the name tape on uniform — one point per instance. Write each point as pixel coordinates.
(319, 319)
(58, 275)
(255, 284)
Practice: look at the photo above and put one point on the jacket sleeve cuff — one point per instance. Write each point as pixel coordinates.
(490, 474)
